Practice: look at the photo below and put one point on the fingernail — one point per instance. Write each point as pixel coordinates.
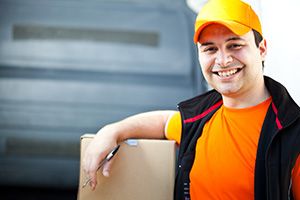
(105, 173)
(93, 186)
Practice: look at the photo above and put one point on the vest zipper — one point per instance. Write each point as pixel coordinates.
(267, 163)
(290, 188)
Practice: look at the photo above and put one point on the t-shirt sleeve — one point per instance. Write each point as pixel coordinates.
(296, 180)
(173, 127)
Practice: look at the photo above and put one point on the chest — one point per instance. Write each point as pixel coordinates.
(225, 156)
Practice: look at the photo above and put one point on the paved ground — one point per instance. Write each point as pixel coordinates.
(25, 193)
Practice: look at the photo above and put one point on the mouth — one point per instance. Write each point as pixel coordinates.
(227, 73)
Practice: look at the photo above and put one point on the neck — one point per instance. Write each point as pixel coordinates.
(247, 99)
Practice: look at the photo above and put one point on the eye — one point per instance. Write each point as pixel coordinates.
(235, 46)
(210, 49)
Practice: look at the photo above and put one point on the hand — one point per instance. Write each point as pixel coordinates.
(96, 151)
(149, 125)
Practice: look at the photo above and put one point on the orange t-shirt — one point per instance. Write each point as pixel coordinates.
(226, 152)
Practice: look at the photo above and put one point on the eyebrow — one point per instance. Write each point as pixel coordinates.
(234, 38)
(229, 39)
(206, 44)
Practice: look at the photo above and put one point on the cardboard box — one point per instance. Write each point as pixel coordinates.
(142, 170)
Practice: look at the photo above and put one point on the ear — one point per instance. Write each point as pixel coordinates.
(263, 49)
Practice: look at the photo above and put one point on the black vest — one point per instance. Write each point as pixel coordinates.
(278, 146)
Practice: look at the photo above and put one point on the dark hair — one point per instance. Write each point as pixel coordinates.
(258, 38)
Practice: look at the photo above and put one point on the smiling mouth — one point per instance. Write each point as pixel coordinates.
(227, 73)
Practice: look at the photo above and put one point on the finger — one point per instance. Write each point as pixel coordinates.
(93, 180)
(88, 165)
(107, 167)
(92, 174)
(93, 183)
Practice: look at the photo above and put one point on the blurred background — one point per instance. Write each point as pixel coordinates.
(68, 67)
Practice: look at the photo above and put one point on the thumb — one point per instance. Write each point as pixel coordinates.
(107, 168)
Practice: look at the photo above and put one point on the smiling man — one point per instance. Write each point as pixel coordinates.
(233, 65)
(240, 140)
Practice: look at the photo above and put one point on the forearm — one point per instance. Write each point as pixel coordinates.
(149, 125)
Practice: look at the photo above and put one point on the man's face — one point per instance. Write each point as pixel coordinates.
(230, 63)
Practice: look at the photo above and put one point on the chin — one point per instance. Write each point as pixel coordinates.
(227, 91)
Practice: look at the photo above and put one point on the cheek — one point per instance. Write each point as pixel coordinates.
(206, 62)
(240, 55)
(248, 56)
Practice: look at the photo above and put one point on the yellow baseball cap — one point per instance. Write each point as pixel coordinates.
(236, 15)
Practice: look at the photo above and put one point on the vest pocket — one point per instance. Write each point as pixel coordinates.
(182, 188)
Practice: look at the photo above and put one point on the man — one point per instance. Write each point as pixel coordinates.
(238, 141)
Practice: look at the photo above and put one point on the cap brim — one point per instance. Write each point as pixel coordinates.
(237, 28)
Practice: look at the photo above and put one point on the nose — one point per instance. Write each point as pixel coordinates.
(223, 58)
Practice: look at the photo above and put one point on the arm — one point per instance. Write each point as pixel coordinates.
(148, 125)
(296, 180)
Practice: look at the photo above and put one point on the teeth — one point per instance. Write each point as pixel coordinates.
(227, 73)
